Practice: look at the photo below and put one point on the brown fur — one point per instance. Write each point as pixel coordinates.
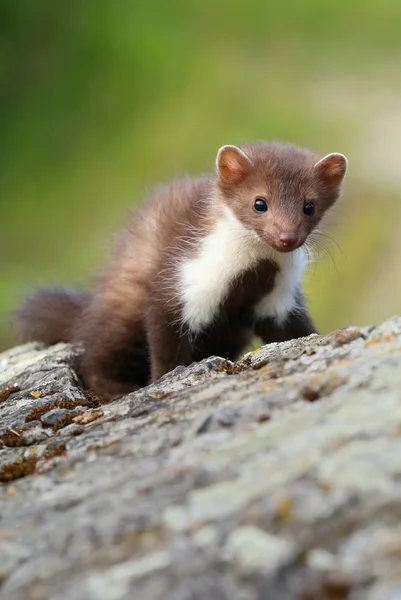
(50, 315)
(131, 327)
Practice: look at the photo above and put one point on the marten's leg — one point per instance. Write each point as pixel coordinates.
(227, 340)
(169, 343)
(297, 324)
(168, 338)
(115, 359)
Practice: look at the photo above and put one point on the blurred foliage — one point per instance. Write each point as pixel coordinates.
(101, 99)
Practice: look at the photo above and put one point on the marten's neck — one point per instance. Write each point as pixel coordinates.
(224, 256)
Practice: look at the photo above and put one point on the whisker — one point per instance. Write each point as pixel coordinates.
(322, 244)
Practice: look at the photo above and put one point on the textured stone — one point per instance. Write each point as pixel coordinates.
(57, 418)
(276, 477)
(254, 550)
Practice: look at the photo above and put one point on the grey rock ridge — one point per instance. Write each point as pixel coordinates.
(277, 477)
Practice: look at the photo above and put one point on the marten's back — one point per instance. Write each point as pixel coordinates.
(160, 226)
(173, 213)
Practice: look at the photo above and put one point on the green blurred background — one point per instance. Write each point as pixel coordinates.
(100, 99)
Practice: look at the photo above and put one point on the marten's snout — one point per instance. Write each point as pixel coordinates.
(289, 240)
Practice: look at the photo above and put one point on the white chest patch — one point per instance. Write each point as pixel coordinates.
(282, 299)
(226, 252)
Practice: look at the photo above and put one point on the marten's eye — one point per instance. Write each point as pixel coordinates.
(260, 205)
(309, 209)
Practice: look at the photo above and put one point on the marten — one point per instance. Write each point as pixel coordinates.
(204, 265)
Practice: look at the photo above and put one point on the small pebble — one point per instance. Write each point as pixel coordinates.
(88, 416)
(311, 394)
(57, 418)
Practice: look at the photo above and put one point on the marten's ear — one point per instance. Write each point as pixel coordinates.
(332, 168)
(232, 165)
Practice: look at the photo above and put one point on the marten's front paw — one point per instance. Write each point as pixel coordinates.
(108, 388)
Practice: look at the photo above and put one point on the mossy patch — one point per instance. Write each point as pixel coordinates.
(91, 401)
(38, 411)
(7, 391)
(55, 448)
(18, 469)
(13, 438)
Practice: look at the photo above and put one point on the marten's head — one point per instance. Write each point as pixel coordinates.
(278, 190)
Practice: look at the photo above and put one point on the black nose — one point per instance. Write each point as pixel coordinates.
(289, 240)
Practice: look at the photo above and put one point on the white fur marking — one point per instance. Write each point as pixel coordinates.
(227, 251)
(282, 298)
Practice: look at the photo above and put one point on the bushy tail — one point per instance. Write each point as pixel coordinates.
(50, 315)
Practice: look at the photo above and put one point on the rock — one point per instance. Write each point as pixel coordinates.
(88, 416)
(57, 418)
(254, 550)
(276, 477)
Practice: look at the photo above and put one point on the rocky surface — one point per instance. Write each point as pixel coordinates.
(278, 477)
